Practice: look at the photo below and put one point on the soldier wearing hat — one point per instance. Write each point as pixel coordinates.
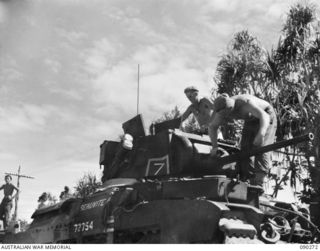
(260, 124)
(65, 194)
(201, 108)
(6, 204)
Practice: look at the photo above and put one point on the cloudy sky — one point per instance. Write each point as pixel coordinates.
(68, 74)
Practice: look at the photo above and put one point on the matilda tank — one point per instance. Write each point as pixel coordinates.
(166, 188)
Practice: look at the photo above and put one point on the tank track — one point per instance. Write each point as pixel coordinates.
(237, 231)
(241, 240)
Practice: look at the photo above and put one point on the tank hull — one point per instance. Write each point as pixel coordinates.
(181, 210)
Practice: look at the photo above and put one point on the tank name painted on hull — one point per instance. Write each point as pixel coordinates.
(88, 206)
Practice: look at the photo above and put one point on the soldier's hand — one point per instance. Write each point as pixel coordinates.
(9, 197)
(258, 140)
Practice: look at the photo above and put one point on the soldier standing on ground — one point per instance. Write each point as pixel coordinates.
(6, 204)
(260, 124)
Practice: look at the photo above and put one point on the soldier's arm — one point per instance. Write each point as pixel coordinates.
(208, 102)
(1, 187)
(15, 188)
(14, 193)
(186, 114)
(214, 125)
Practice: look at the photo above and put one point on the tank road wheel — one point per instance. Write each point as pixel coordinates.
(237, 231)
(241, 240)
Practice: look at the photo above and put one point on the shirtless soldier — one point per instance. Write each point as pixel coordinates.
(201, 108)
(6, 204)
(260, 124)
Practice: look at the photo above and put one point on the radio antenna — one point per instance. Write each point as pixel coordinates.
(138, 89)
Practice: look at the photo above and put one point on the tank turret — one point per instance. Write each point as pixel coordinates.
(171, 152)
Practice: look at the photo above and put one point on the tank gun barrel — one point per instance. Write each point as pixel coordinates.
(259, 150)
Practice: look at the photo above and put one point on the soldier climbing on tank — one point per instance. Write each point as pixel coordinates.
(201, 107)
(6, 204)
(259, 129)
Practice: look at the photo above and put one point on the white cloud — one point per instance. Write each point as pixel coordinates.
(9, 70)
(7, 156)
(222, 5)
(71, 36)
(25, 117)
(69, 94)
(54, 65)
(66, 2)
(152, 58)
(140, 29)
(276, 10)
(3, 12)
(224, 29)
(100, 56)
(10, 74)
(114, 13)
